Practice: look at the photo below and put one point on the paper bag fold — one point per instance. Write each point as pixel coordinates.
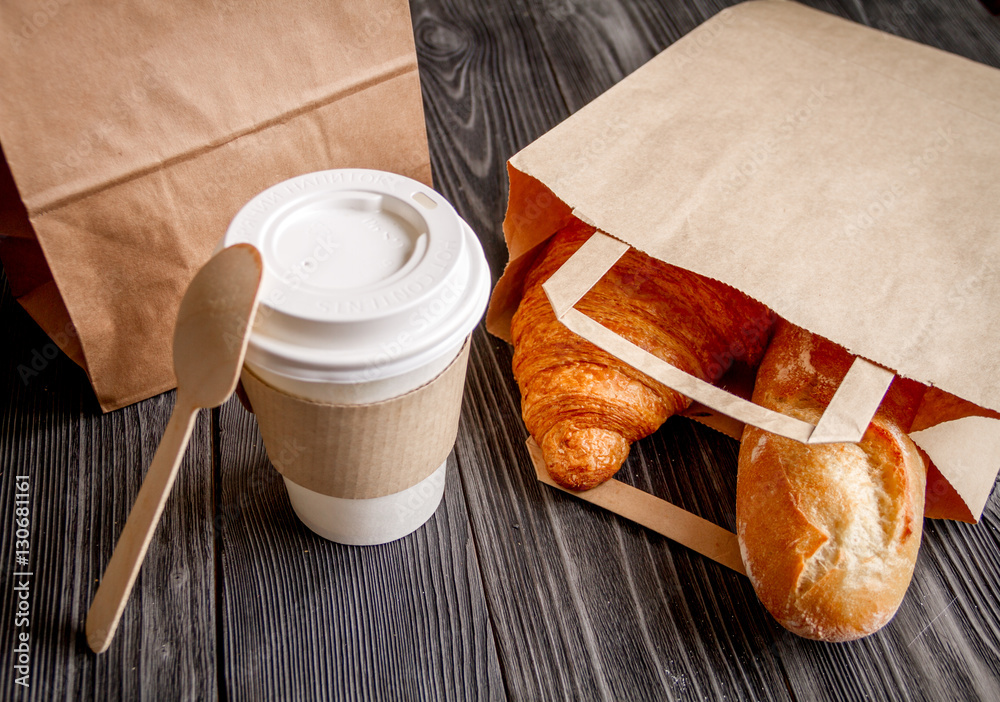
(360, 451)
(135, 136)
(843, 177)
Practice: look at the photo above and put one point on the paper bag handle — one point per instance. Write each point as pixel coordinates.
(845, 419)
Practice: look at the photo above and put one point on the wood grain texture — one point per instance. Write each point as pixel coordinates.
(618, 611)
(84, 471)
(512, 590)
(602, 612)
(305, 618)
(477, 62)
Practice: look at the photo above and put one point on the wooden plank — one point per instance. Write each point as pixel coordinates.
(84, 470)
(584, 605)
(305, 618)
(588, 606)
(371, 629)
(945, 639)
(478, 62)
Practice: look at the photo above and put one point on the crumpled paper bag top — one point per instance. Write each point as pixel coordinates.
(136, 131)
(844, 177)
(847, 178)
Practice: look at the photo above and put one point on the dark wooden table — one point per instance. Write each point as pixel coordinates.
(512, 590)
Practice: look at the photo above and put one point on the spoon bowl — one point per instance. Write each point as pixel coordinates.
(210, 343)
(213, 324)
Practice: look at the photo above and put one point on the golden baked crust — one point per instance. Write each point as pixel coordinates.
(583, 406)
(829, 533)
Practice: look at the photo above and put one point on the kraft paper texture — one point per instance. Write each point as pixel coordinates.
(845, 419)
(135, 131)
(846, 178)
(360, 451)
(698, 534)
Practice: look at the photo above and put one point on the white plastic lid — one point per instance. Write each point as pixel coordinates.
(367, 275)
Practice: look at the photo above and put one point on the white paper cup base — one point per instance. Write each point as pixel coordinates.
(372, 285)
(367, 522)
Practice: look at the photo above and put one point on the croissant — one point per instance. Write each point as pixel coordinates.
(583, 406)
(829, 533)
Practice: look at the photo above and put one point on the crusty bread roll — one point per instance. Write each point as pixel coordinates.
(829, 533)
(583, 406)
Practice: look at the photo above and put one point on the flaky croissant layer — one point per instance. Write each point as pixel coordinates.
(583, 406)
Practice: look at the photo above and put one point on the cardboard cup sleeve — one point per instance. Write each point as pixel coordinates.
(360, 451)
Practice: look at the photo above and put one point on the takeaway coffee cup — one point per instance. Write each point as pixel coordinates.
(356, 363)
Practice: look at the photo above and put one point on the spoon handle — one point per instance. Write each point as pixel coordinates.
(122, 569)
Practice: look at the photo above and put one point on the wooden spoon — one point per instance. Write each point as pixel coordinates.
(210, 341)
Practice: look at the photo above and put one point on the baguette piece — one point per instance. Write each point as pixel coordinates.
(829, 533)
(583, 406)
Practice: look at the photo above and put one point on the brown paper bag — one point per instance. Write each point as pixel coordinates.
(134, 134)
(844, 177)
